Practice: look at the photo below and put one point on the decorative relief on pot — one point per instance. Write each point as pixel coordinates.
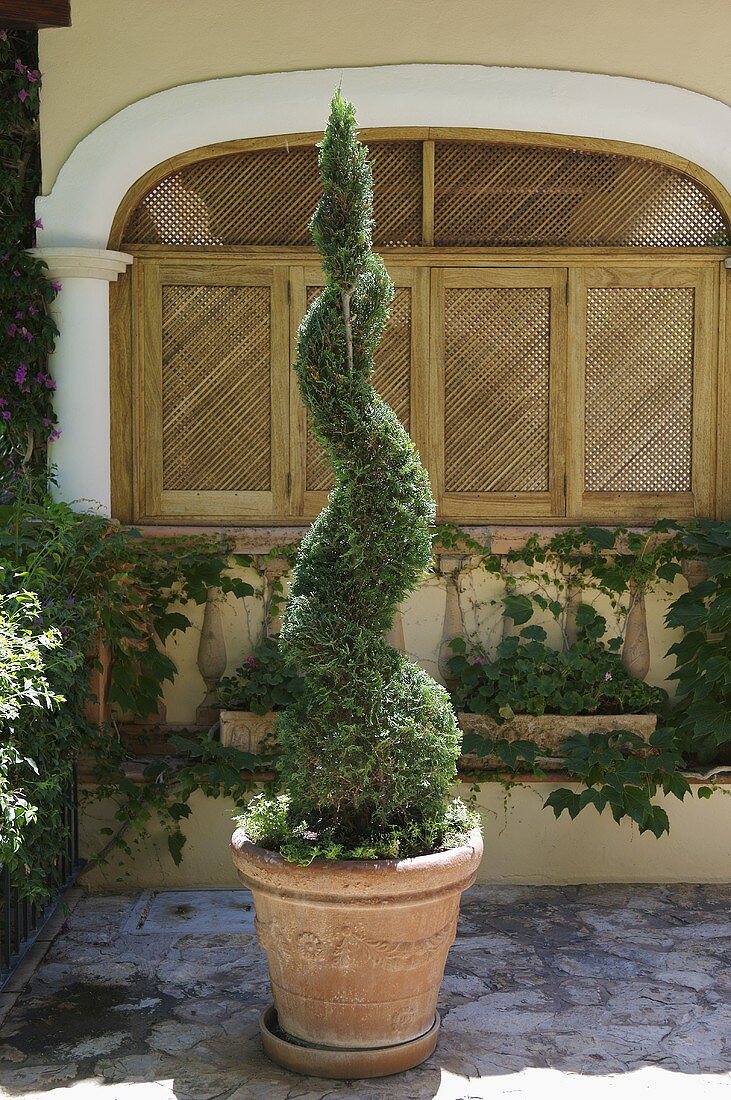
(403, 1018)
(347, 946)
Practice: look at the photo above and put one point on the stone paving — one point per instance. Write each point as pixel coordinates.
(584, 991)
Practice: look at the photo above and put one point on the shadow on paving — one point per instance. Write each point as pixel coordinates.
(163, 991)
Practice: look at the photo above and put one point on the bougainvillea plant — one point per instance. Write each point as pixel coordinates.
(27, 331)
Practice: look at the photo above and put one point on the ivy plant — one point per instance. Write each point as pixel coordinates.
(87, 579)
(703, 715)
(528, 676)
(619, 773)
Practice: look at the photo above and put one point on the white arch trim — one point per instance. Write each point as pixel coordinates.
(91, 184)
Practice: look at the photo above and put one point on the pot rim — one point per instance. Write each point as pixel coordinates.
(370, 881)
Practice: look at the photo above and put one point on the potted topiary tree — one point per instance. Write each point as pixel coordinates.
(358, 869)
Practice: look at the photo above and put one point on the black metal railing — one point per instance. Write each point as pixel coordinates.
(21, 920)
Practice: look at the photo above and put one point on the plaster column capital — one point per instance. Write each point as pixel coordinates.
(83, 263)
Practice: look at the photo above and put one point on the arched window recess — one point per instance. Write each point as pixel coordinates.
(554, 347)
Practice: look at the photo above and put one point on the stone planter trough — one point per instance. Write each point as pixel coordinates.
(242, 729)
(548, 731)
(245, 730)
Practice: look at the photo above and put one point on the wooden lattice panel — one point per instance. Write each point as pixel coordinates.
(391, 378)
(268, 197)
(496, 389)
(216, 387)
(516, 195)
(639, 389)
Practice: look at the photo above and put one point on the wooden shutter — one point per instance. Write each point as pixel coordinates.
(401, 353)
(641, 384)
(497, 392)
(213, 351)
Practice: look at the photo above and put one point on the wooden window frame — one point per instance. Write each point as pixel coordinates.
(481, 506)
(647, 507)
(135, 351)
(293, 505)
(160, 505)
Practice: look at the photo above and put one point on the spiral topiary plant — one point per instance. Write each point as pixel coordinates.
(369, 751)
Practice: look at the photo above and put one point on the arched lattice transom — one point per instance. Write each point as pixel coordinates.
(554, 344)
(456, 193)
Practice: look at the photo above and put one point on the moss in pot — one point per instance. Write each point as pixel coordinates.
(358, 868)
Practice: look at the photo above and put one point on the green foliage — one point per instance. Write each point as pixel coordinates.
(620, 774)
(703, 716)
(369, 750)
(26, 697)
(164, 790)
(27, 334)
(66, 580)
(269, 822)
(529, 677)
(265, 681)
(615, 563)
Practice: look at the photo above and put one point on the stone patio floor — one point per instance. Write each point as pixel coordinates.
(586, 991)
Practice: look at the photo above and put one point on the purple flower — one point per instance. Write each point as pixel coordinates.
(6, 415)
(250, 661)
(46, 422)
(19, 315)
(16, 273)
(3, 402)
(32, 311)
(22, 95)
(19, 66)
(21, 373)
(608, 676)
(38, 224)
(32, 75)
(50, 384)
(12, 329)
(54, 434)
(56, 285)
(478, 660)
(27, 335)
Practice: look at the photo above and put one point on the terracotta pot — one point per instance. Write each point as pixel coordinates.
(356, 949)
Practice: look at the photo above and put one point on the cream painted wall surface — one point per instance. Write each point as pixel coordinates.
(116, 53)
(523, 844)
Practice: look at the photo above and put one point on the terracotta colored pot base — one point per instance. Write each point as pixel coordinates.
(335, 1062)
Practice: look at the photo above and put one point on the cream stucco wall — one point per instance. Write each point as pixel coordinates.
(523, 844)
(116, 53)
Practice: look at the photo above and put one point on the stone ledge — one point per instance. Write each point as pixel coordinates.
(498, 539)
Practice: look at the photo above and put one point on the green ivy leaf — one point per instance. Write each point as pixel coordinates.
(518, 608)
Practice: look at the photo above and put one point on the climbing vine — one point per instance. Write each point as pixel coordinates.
(68, 580)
